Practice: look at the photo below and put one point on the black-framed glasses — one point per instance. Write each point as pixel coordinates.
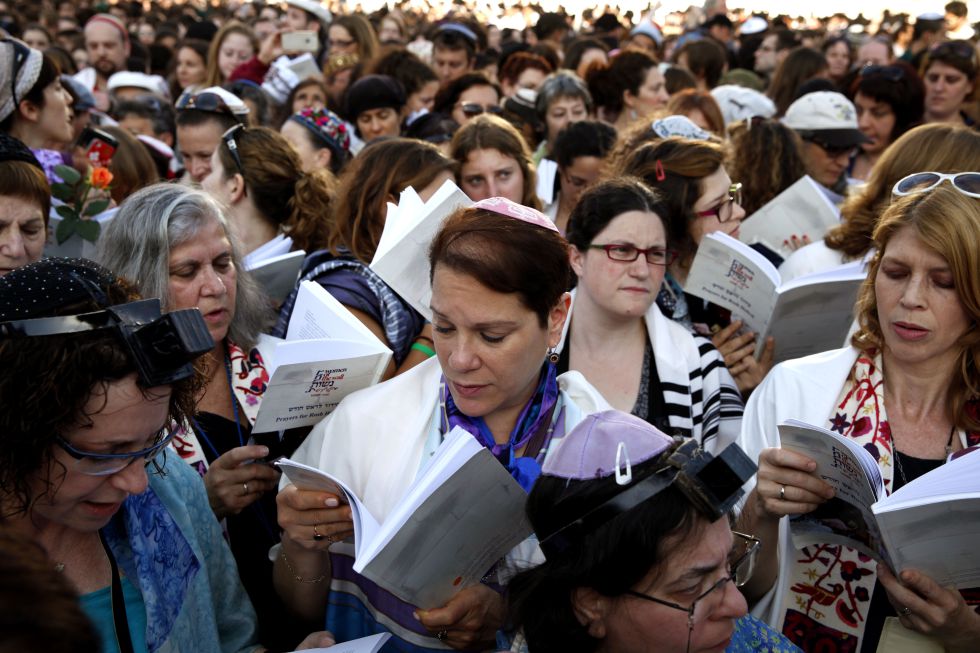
(106, 464)
(741, 564)
(211, 103)
(627, 253)
(891, 73)
(726, 210)
(228, 138)
(471, 109)
(21, 52)
(967, 183)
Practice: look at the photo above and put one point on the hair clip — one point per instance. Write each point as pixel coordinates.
(624, 475)
(659, 168)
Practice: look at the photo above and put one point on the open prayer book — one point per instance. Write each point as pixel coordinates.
(930, 524)
(462, 514)
(800, 210)
(327, 354)
(274, 267)
(402, 256)
(807, 315)
(370, 644)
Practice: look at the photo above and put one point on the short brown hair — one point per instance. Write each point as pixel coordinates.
(27, 182)
(487, 132)
(689, 100)
(496, 250)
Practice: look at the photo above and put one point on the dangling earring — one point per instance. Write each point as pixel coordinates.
(553, 356)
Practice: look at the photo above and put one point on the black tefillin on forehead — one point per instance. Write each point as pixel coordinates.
(713, 485)
(162, 345)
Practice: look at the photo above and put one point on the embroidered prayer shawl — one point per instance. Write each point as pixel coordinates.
(830, 586)
(249, 379)
(702, 399)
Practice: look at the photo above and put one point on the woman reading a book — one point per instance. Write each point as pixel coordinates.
(905, 390)
(700, 199)
(379, 173)
(639, 558)
(179, 246)
(497, 313)
(616, 336)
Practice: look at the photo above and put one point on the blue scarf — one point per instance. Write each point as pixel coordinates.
(538, 409)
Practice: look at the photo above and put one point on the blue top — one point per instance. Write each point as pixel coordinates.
(97, 606)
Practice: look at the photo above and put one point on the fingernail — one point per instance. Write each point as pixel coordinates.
(332, 503)
(416, 615)
(263, 451)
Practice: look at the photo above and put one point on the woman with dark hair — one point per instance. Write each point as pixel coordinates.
(637, 557)
(258, 175)
(467, 97)
(579, 150)
(320, 137)
(379, 173)
(25, 205)
(641, 361)
(905, 391)
(889, 101)
(190, 67)
(800, 65)
(706, 59)
(582, 53)
(766, 156)
(375, 105)
(562, 100)
(950, 71)
(416, 77)
(700, 198)
(628, 88)
(34, 107)
(497, 311)
(494, 161)
(839, 54)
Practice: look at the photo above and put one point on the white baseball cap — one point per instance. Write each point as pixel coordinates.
(828, 117)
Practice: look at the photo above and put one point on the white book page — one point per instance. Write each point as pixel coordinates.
(281, 244)
(545, 190)
(400, 219)
(800, 210)
(277, 275)
(404, 264)
(310, 478)
(734, 276)
(856, 479)
(369, 644)
(317, 314)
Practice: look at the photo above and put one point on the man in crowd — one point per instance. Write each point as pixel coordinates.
(107, 43)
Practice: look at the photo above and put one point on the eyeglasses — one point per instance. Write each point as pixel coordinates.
(967, 183)
(342, 43)
(960, 49)
(626, 253)
(471, 109)
(726, 210)
(21, 52)
(741, 564)
(890, 73)
(106, 464)
(229, 140)
(210, 102)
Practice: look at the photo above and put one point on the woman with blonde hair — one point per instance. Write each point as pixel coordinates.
(494, 161)
(234, 44)
(353, 34)
(258, 175)
(906, 391)
(936, 147)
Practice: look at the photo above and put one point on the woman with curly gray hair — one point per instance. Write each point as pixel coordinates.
(175, 243)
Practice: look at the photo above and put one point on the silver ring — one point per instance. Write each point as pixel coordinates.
(245, 487)
(316, 534)
(442, 635)
(905, 611)
(782, 493)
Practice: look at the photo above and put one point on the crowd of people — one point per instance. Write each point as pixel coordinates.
(597, 153)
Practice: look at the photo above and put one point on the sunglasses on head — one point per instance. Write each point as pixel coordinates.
(890, 73)
(229, 140)
(471, 109)
(967, 183)
(959, 49)
(210, 102)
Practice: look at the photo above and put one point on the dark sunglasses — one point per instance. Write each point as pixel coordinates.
(471, 109)
(960, 49)
(21, 52)
(890, 73)
(833, 151)
(210, 102)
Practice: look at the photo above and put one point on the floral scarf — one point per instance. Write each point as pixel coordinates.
(541, 407)
(826, 606)
(249, 379)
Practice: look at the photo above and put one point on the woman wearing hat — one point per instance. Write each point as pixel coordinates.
(374, 106)
(34, 107)
(320, 137)
(25, 202)
(497, 312)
